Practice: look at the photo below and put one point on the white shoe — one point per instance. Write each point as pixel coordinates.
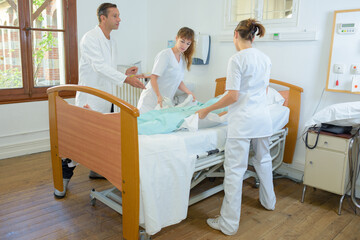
(62, 194)
(267, 207)
(214, 223)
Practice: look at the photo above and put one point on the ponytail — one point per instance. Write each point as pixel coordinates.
(248, 28)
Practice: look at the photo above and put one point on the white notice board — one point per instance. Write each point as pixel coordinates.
(344, 62)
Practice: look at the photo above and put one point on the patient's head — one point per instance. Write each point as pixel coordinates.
(185, 43)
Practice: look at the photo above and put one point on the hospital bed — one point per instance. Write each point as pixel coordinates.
(109, 144)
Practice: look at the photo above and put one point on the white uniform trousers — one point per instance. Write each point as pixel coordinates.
(235, 165)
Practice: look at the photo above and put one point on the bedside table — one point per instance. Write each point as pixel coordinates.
(327, 165)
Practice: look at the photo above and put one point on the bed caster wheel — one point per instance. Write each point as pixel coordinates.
(143, 235)
(93, 201)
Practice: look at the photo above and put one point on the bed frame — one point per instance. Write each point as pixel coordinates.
(293, 100)
(211, 166)
(98, 142)
(105, 143)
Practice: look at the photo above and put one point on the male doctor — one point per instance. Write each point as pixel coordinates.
(97, 69)
(97, 63)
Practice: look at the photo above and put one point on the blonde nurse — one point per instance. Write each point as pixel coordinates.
(249, 119)
(168, 72)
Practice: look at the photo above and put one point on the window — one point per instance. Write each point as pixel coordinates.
(268, 12)
(38, 48)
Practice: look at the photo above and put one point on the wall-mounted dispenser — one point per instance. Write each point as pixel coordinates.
(202, 51)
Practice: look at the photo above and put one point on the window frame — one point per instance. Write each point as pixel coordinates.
(28, 92)
(258, 9)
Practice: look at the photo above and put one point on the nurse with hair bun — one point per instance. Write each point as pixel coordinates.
(249, 119)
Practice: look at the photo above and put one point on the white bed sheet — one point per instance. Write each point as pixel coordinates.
(279, 116)
(167, 165)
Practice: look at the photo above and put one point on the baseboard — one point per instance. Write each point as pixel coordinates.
(25, 148)
(290, 171)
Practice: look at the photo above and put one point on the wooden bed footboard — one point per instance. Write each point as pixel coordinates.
(293, 103)
(105, 143)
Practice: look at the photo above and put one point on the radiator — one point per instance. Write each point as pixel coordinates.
(129, 93)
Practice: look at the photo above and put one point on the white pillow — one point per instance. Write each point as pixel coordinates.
(274, 97)
(341, 114)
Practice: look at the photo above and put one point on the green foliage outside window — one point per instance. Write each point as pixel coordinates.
(37, 4)
(12, 78)
(44, 46)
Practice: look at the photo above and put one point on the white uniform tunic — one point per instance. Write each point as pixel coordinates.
(170, 73)
(249, 73)
(249, 120)
(97, 69)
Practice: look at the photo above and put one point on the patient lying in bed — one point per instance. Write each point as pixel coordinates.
(170, 119)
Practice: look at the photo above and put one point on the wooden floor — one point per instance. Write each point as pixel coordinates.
(28, 210)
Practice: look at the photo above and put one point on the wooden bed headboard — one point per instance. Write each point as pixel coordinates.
(98, 141)
(293, 103)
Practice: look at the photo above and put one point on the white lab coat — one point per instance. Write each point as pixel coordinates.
(97, 69)
(170, 72)
(249, 120)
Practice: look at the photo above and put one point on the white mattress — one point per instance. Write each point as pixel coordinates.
(211, 138)
(167, 165)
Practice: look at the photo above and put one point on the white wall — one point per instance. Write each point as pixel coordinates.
(302, 63)
(24, 127)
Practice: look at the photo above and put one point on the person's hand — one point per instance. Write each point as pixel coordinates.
(160, 100)
(134, 81)
(222, 113)
(142, 76)
(202, 113)
(194, 98)
(131, 71)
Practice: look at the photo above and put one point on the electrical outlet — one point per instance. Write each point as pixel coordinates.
(339, 68)
(355, 85)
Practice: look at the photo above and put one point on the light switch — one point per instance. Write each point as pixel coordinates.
(355, 68)
(276, 36)
(339, 68)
